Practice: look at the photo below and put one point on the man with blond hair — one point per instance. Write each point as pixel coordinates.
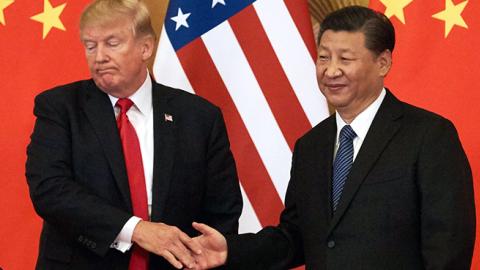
(119, 166)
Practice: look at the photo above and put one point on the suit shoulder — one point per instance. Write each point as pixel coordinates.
(321, 129)
(64, 89)
(422, 117)
(63, 92)
(188, 101)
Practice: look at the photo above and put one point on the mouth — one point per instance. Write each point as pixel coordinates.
(101, 71)
(335, 86)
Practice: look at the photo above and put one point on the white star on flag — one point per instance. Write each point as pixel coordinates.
(181, 19)
(215, 2)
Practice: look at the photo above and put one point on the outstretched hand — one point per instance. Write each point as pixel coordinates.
(213, 245)
(167, 241)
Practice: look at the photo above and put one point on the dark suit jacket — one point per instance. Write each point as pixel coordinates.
(407, 203)
(78, 183)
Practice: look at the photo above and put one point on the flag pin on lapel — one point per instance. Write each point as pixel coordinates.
(168, 117)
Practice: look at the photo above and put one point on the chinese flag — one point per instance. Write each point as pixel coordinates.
(39, 48)
(436, 66)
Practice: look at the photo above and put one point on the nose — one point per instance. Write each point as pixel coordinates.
(332, 70)
(101, 54)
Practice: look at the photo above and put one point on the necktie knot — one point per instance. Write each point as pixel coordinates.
(347, 133)
(124, 104)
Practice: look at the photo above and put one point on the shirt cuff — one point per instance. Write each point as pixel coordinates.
(123, 242)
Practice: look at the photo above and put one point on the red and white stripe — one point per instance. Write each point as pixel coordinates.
(258, 67)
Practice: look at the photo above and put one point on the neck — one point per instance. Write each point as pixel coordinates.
(347, 118)
(349, 113)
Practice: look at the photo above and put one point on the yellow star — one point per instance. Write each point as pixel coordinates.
(3, 5)
(395, 8)
(452, 15)
(50, 17)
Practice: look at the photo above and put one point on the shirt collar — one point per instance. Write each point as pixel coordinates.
(362, 122)
(142, 98)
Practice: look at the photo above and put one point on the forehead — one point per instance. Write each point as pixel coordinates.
(112, 28)
(342, 40)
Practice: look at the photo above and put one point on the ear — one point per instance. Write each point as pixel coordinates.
(384, 61)
(147, 47)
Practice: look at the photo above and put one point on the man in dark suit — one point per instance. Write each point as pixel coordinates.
(80, 166)
(378, 185)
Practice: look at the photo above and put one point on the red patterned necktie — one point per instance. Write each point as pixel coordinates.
(136, 177)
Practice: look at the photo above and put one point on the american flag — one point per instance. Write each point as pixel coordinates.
(254, 59)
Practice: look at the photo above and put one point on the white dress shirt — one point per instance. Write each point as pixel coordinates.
(141, 117)
(361, 124)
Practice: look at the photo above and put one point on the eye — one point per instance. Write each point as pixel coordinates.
(90, 46)
(323, 58)
(113, 43)
(347, 59)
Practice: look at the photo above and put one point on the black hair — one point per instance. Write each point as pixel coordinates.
(377, 28)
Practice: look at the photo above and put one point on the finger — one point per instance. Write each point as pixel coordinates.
(197, 266)
(191, 244)
(203, 228)
(200, 262)
(171, 259)
(182, 254)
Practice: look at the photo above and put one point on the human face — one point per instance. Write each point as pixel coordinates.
(116, 58)
(349, 75)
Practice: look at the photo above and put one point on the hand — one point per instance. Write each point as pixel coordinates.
(166, 241)
(214, 247)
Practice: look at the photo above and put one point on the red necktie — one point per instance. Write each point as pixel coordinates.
(136, 177)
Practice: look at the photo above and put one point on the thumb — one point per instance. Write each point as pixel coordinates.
(203, 228)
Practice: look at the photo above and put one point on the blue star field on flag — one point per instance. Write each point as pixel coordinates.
(187, 20)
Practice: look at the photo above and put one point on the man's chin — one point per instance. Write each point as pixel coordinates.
(107, 87)
(338, 102)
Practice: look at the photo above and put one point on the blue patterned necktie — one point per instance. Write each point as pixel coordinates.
(342, 163)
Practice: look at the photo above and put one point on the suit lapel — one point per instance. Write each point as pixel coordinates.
(98, 109)
(322, 158)
(383, 128)
(312, 174)
(164, 148)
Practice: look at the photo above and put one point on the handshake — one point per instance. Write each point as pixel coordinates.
(206, 251)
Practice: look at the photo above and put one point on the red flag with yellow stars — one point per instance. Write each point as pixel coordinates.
(436, 66)
(39, 48)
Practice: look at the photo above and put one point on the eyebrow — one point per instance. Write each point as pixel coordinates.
(84, 39)
(341, 50)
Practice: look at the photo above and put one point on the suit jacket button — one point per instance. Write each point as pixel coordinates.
(331, 244)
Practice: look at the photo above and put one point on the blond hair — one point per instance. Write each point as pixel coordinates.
(105, 11)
